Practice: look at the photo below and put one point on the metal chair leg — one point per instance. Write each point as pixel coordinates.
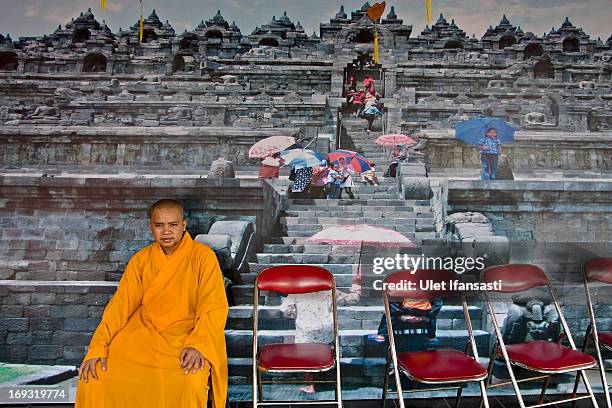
(483, 394)
(604, 383)
(489, 372)
(541, 399)
(386, 380)
(259, 387)
(587, 384)
(338, 388)
(458, 398)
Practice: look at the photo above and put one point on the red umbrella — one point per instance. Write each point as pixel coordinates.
(394, 140)
(270, 145)
(356, 161)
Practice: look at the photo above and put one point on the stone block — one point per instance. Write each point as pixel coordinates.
(69, 311)
(45, 352)
(13, 324)
(37, 311)
(78, 324)
(71, 338)
(416, 188)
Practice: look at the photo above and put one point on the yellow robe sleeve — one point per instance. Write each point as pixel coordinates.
(121, 306)
(208, 336)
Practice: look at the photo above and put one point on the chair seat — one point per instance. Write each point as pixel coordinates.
(605, 338)
(548, 357)
(296, 357)
(441, 366)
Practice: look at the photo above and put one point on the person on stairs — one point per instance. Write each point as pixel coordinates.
(369, 176)
(333, 181)
(347, 173)
(313, 316)
(398, 155)
(414, 324)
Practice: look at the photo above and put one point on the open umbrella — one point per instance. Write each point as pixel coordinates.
(356, 161)
(301, 158)
(394, 140)
(270, 145)
(360, 234)
(473, 130)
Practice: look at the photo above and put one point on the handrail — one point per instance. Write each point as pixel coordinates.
(338, 129)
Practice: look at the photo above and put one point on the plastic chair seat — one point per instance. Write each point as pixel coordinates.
(441, 366)
(605, 338)
(548, 357)
(296, 357)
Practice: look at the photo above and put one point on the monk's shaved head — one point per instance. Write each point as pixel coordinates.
(165, 204)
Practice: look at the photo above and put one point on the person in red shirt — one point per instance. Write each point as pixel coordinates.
(358, 102)
(353, 83)
(368, 82)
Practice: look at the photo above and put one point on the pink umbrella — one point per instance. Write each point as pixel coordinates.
(270, 145)
(394, 140)
(361, 234)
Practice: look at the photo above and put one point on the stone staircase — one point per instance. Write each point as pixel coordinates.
(362, 358)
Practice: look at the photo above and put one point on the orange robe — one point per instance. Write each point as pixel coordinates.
(162, 304)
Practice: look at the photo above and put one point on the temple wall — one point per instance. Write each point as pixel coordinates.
(132, 147)
(530, 150)
(87, 228)
(544, 211)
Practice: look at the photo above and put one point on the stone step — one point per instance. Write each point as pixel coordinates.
(368, 189)
(402, 225)
(409, 235)
(450, 317)
(432, 244)
(356, 372)
(408, 228)
(336, 213)
(372, 196)
(243, 294)
(348, 204)
(324, 249)
(411, 219)
(354, 343)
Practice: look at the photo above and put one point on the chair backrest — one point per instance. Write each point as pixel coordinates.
(599, 270)
(295, 279)
(515, 277)
(397, 284)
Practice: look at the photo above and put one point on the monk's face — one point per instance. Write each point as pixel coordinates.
(167, 227)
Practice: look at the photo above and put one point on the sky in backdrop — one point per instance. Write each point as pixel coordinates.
(38, 17)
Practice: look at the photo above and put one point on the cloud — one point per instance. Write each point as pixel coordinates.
(33, 10)
(114, 7)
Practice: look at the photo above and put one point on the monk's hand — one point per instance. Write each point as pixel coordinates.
(88, 368)
(191, 360)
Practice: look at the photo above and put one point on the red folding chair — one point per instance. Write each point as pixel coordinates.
(297, 357)
(442, 368)
(598, 271)
(543, 357)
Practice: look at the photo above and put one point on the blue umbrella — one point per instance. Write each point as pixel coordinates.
(473, 130)
(301, 158)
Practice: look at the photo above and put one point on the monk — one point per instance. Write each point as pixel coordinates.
(161, 337)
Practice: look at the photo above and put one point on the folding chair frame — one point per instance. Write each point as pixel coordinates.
(257, 380)
(392, 358)
(500, 349)
(591, 333)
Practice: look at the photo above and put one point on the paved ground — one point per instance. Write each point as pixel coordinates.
(495, 402)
